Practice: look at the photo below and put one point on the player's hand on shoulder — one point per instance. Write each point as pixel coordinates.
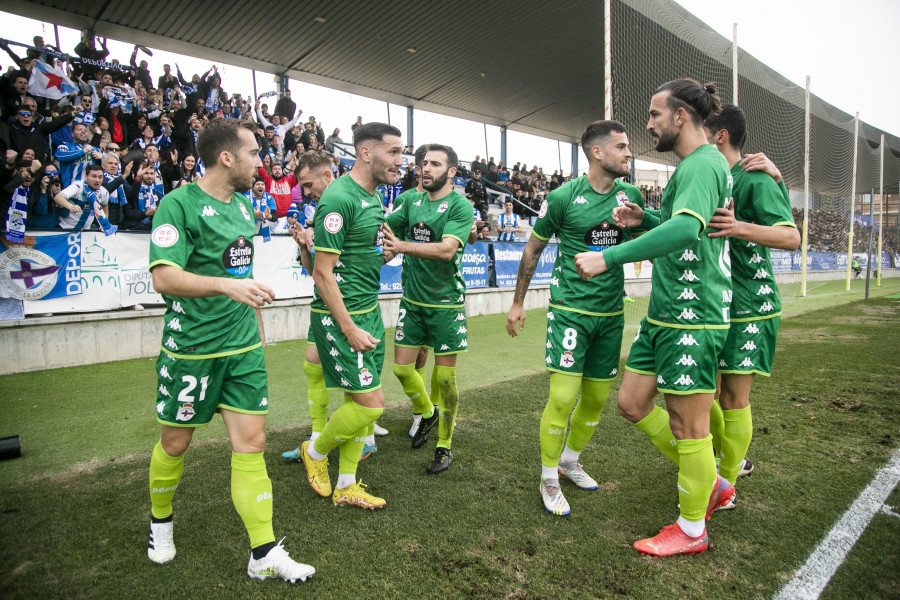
(360, 340)
(628, 215)
(515, 320)
(248, 291)
(761, 162)
(590, 264)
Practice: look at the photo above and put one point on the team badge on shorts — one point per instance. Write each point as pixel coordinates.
(566, 360)
(399, 335)
(185, 412)
(365, 377)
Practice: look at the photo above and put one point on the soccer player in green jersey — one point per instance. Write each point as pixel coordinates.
(585, 318)
(346, 320)
(678, 343)
(759, 219)
(431, 230)
(419, 401)
(211, 360)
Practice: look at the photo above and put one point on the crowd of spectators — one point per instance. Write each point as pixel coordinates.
(828, 231)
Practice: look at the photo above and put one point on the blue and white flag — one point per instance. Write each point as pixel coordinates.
(49, 82)
(51, 268)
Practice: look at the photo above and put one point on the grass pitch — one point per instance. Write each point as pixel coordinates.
(75, 508)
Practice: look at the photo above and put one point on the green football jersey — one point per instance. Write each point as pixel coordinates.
(692, 286)
(437, 283)
(350, 221)
(757, 199)
(403, 197)
(195, 232)
(582, 221)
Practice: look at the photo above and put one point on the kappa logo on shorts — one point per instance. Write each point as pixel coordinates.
(689, 255)
(365, 378)
(686, 360)
(327, 322)
(338, 278)
(163, 391)
(264, 402)
(464, 344)
(722, 363)
(746, 363)
(766, 307)
(660, 380)
(760, 274)
(460, 317)
(687, 340)
(688, 294)
(749, 346)
(338, 368)
(445, 347)
(688, 314)
(554, 281)
(333, 352)
(566, 360)
(549, 361)
(688, 275)
(164, 372)
(751, 328)
(174, 325)
(764, 290)
(462, 329)
(176, 308)
(170, 343)
(344, 383)
(549, 330)
(684, 380)
(549, 345)
(614, 372)
(756, 258)
(551, 316)
(185, 412)
(160, 406)
(330, 337)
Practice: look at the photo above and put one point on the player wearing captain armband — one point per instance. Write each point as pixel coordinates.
(585, 318)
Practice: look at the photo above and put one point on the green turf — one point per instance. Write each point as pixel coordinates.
(823, 426)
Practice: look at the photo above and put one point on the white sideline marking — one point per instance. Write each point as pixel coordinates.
(810, 580)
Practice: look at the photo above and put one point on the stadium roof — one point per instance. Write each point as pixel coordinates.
(528, 65)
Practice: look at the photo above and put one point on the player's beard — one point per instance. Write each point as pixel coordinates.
(381, 171)
(437, 183)
(666, 138)
(617, 169)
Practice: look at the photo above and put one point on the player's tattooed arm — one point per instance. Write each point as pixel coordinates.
(515, 319)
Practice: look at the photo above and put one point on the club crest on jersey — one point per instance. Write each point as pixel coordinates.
(621, 198)
(365, 377)
(238, 256)
(243, 211)
(566, 360)
(443, 207)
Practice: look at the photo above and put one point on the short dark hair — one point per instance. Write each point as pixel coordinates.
(373, 131)
(421, 151)
(220, 135)
(91, 168)
(597, 133)
(452, 158)
(699, 101)
(312, 159)
(21, 73)
(731, 119)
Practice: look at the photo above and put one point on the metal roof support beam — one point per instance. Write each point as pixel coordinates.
(503, 144)
(281, 80)
(574, 160)
(409, 126)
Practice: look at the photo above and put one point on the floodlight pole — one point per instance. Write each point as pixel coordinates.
(805, 245)
(607, 62)
(852, 197)
(734, 66)
(410, 126)
(880, 207)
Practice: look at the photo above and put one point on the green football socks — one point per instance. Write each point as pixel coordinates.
(656, 426)
(316, 395)
(414, 388)
(443, 379)
(587, 411)
(165, 473)
(696, 477)
(735, 442)
(555, 418)
(251, 492)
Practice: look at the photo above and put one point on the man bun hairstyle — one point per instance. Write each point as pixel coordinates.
(731, 119)
(373, 132)
(220, 135)
(700, 101)
(597, 134)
